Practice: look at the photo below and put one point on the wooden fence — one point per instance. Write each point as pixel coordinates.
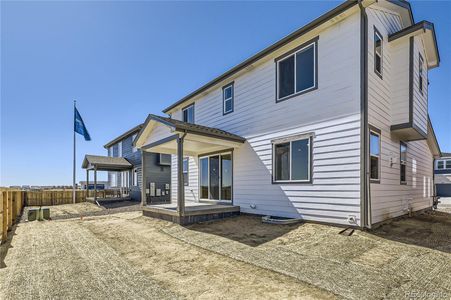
(11, 204)
(57, 197)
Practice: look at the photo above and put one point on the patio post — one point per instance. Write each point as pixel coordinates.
(143, 179)
(95, 183)
(180, 185)
(87, 182)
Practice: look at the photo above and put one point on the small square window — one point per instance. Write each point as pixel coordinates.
(227, 98)
(440, 164)
(448, 164)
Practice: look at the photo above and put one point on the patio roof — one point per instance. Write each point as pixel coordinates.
(159, 134)
(106, 163)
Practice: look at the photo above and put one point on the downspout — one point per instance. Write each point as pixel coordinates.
(365, 207)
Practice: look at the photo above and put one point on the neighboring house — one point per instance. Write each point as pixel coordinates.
(157, 168)
(442, 175)
(329, 124)
(101, 185)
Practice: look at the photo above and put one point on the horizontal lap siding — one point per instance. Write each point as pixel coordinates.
(331, 113)
(420, 104)
(389, 198)
(334, 193)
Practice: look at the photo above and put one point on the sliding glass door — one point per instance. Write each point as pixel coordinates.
(215, 178)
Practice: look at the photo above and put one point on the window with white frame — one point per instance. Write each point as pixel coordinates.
(110, 151)
(291, 160)
(296, 72)
(378, 54)
(134, 149)
(188, 114)
(443, 164)
(119, 149)
(375, 155)
(403, 162)
(185, 171)
(113, 179)
(135, 177)
(227, 99)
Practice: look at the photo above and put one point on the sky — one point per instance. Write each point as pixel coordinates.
(123, 60)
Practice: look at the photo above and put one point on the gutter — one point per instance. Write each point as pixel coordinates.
(365, 207)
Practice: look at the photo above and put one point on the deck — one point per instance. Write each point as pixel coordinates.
(194, 212)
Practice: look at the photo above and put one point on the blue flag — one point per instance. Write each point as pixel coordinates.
(79, 126)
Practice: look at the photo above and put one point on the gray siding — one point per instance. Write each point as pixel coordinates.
(160, 174)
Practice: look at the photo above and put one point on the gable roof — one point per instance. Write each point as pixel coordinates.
(106, 162)
(123, 136)
(423, 27)
(402, 4)
(191, 128)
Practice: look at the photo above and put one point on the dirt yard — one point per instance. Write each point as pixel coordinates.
(126, 255)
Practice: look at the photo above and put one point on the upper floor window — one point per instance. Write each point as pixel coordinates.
(403, 162)
(420, 73)
(134, 149)
(443, 164)
(188, 114)
(227, 99)
(110, 151)
(119, 149)
(297, 72)
(291, 160)
(375, 154)
(378, 52)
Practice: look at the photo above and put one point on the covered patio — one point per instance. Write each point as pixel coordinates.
(110, 164)
(182, 139)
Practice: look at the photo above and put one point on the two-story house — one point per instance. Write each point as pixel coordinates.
(329, 124)
(442, 175)
(157, 168)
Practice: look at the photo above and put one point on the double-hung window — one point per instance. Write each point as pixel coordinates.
(185, 171)
(227, 99)
(291, 160)
(448, 164)
(440, 164)
(375, 155)
(403, 162)
(420, 73)
(297, 72)
(188, 114)
(378, 55)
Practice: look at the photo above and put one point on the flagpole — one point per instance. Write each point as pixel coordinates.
(73, 181)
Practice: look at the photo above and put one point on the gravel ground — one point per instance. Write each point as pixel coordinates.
(408, 256)
(84, 209)
(64, 260)
(126, 255)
